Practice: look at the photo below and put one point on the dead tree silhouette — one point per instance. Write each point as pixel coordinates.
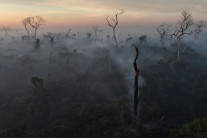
(96, 29)
(163, 32)
(36, 22)
(25, 22)
(137, 95)
(184, 24)
(114, 25)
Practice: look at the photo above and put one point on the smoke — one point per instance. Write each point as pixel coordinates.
(124, 58)
(78, 55)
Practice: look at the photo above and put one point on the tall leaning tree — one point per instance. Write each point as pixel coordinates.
(137, 93)
(113, 24)
(36, 22)
(183, 28)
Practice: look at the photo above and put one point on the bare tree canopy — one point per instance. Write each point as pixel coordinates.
(34, 22)
(114, 24)
(115, 21)
(182, 29)
(184, 24)
(163, 32)
(25, 22)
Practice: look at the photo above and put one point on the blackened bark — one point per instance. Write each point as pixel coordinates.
(136, 70)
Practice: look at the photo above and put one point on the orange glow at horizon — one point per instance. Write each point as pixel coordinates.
(14, 20)
(80, 13)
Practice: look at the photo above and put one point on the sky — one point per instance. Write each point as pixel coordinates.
(83, 13)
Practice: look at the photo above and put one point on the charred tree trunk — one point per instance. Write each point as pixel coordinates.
(136, 78)
(113, 26)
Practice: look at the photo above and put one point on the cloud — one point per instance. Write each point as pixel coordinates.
(132, 5)
(129, 5)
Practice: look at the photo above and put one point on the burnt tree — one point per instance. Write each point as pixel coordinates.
(114, 25)
(137, 94)
(182, 29)
(36, 22)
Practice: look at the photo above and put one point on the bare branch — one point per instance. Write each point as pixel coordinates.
(109, 22)
(115, 23)
(36, 22)
(199, 27)
(184, 24)
(182, 29)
